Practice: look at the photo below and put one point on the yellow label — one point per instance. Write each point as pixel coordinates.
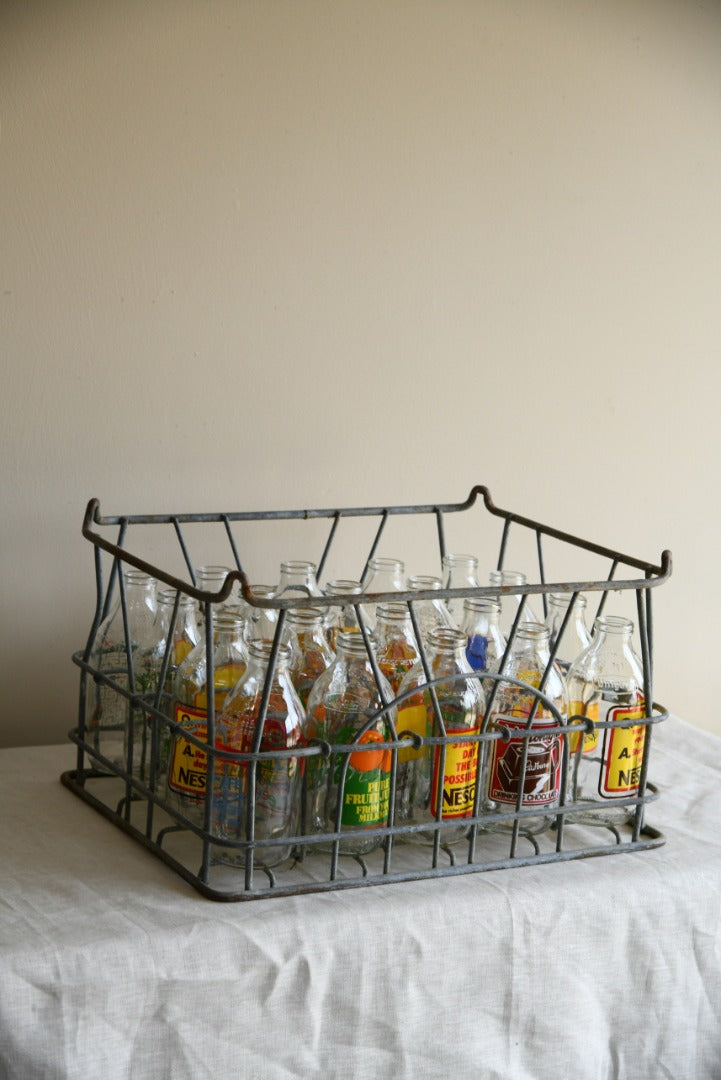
(590, 739)
(412, 718)
(188, 763)
(459, 777)
(623, 753)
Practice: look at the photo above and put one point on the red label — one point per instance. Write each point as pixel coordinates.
(542, 778)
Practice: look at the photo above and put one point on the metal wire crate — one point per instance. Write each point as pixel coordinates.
(142, 810)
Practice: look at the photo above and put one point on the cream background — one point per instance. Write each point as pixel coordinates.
(286, 254)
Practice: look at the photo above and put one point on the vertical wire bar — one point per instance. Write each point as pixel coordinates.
(209, 739)
(389, 720)
(648, 704)
(649, 624)
(155, 732)
(504, 541)
(231, 541)
(326, 549)
(542, 574)
(375, 543)
(437, 750)
(441, 534)
(255, 749)
(128, 758)
(83, 696)
(565, 739)
(604, 598)
(184, 549)
(115, 568)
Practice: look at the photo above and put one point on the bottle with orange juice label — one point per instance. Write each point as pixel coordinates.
(187, 763)
(437, 782)
(352, 790)
(605, 685)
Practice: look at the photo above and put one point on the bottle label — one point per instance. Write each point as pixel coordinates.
(413, 718)
(459, 775)
(477, 652)
(590, 739)
(366, 793)
(622, 753)
(542, 779)
(188, 763)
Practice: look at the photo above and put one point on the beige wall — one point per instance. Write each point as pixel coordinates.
(260, 255)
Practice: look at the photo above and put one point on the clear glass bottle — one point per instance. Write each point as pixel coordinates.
(485, 644)
(429, 613)
(459, 572)
(278, 780)
(340, 707)
(394, 643)
(382, 575)
(605, 684)
(261, 622)
(107, 712)
(297, 578)
(541, 785)
(187, 763)
(510, 602)
(342, 616)
(185, 632)
(419, 784)
(310, 653)
(575, 637)
(211, 579)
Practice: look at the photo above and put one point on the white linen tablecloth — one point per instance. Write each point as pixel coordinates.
(113, 967)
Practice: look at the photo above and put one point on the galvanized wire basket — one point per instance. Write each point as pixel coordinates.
(192, 847)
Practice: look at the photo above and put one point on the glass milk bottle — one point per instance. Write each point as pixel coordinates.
(539, 787)
(187, 764)
(278, 781)
(353, 789)
(429, 613)
(108, 712)
(310, 653)
(340, 616)
(423, 792)
(510, 601)
(394, 643)
(605, 684)
(459, 572)
(575, 637)
(485, 644)
(382, 575)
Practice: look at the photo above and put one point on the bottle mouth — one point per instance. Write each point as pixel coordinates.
(385, 562)
(447, 637)
(507, 577)
(474, 603)
(260, 649)
(297, 566)
(419, 582)
(460, 560)
(304, 616)
(533, 631)
(564, 599)
(343, 587)
(614, 624)
(395, 611)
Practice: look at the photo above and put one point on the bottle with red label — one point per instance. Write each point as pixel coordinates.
(526, 767)
(352, 789)
(605, 684)
(274, 783)
(187, 763)
(437, 782)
